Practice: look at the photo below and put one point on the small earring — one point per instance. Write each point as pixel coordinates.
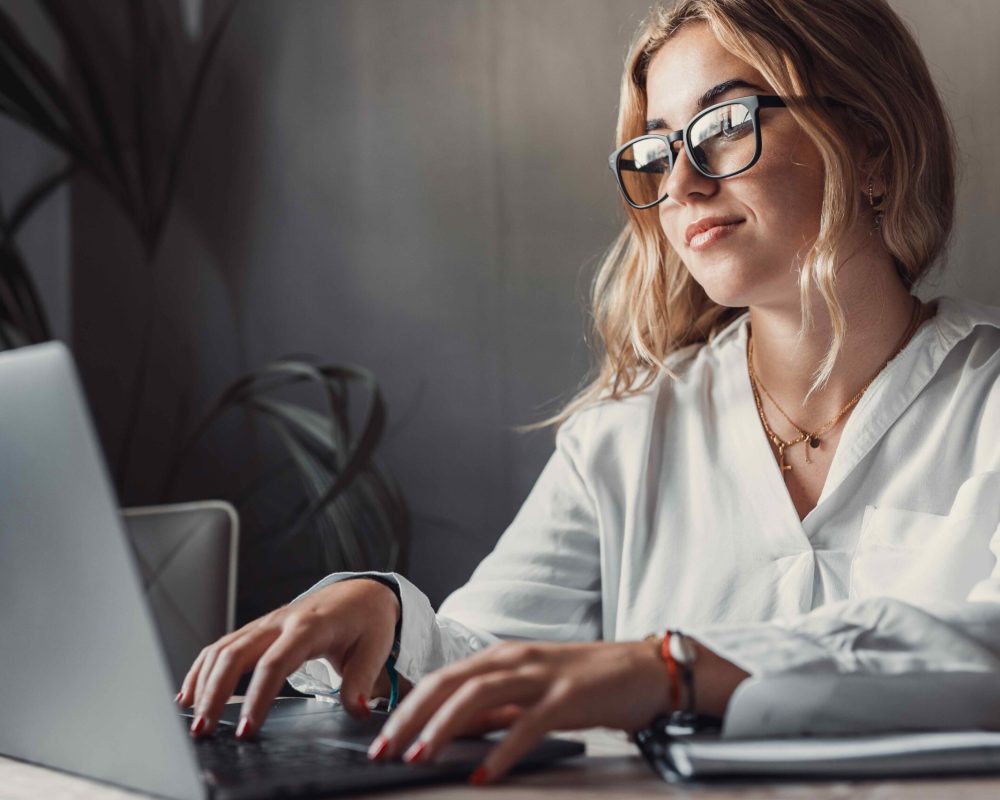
(879, 210)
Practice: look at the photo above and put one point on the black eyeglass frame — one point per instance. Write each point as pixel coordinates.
(753, 103)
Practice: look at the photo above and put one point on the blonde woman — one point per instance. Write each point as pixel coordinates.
(787, 461)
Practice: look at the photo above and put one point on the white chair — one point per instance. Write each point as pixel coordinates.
(187, 555)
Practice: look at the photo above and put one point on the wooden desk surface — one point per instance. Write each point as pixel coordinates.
(611, 770)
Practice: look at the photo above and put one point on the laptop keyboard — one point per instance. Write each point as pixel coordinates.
(225, 759)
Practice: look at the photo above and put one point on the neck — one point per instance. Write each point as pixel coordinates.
(878, 311)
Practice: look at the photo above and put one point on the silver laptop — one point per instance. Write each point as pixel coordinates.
(84, 679)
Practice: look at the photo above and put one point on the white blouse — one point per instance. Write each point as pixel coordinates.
(879, 610)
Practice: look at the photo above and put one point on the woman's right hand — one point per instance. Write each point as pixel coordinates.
(351, 623)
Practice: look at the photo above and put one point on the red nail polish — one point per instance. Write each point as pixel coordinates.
(378, 747)
(365, 711)
(179, 694)
(198, 725)
(243, 728)
(478, 778)
(415, 753)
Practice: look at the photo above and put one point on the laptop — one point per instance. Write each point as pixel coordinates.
(84, 680)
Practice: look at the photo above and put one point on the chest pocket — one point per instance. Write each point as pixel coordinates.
(919, 557)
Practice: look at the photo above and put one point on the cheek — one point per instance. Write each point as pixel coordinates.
(788, 192)
(675, 240)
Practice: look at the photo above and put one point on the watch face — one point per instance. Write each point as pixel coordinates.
(682, 649)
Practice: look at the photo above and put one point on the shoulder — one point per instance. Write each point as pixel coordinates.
(959, 317)
(961, 387)
(692, 382)
(968, 336)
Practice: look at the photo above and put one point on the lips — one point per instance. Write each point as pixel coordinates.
(706, 224)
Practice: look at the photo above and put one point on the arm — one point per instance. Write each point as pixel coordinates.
(883, 662)
(541, 582)
(873, 664)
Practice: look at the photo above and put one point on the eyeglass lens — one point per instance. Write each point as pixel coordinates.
(722, 142)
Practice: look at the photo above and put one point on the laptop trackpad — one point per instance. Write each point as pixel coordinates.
(296, 717)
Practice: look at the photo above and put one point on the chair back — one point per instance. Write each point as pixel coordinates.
(186, 554)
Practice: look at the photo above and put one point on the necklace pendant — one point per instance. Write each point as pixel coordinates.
(814, 441)
(781, 459)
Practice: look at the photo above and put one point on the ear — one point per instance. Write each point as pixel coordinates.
(871, 178)
(874, 189)
(866, 139)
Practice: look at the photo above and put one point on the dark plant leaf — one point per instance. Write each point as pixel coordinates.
(33, 96)
(143, 60)
(182, 132)
(353, 511)
(20, 306)
(110, 143)
(35, 197)
(315, 479)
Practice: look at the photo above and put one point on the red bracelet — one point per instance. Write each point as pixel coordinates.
(668, 659)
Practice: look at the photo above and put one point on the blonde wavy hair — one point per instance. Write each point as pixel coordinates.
(645, 303)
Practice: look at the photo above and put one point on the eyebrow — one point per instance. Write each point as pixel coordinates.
(706, 100)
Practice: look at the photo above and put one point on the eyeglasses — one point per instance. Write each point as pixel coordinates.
(721, 141)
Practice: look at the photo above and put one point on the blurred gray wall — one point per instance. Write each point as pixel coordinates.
(419, 186)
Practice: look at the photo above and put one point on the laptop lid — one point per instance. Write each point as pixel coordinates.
(84, 685)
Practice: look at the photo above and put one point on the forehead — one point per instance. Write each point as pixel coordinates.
(688, 65)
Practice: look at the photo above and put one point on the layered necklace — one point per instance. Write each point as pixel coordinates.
(813, 437)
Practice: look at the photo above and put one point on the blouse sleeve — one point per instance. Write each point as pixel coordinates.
(542, 581)
(880, 662)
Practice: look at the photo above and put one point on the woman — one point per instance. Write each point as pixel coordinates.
(785, 453)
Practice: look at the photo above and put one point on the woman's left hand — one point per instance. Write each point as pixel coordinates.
(531, 688)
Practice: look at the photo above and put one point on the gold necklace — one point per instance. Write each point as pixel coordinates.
(813, 437)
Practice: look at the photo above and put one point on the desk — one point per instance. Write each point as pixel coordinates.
(612, 770)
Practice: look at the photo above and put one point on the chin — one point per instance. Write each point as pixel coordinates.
(734, 287)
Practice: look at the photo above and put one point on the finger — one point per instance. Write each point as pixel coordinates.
(524, 734)
(282, 658)
(477, 695)
(428, 695)
(206, 670)
(493, 719)
(229, 665)
(186, 695)
(361, 669)
(194, 683)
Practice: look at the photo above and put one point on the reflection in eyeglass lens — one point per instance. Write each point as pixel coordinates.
(722, 142)
(643, 169)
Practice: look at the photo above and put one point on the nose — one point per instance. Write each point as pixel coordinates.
(684, 181)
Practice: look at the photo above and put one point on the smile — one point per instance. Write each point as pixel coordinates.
(706, 238)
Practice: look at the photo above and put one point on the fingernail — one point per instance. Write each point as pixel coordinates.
(478, 778)
(198, 724)
(415, 753)
(179, 694)
(377, 747)
(365, 711)
(243, 728)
